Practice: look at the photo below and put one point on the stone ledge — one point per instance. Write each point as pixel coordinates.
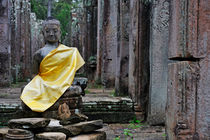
(111, 117)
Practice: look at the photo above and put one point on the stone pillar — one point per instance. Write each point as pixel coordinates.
(139, 55)
(187, 111)
(99, 39)
(121, 79)
(21, 45)
(110, 42)
(37, 39)
(159, 33)
(5, 44)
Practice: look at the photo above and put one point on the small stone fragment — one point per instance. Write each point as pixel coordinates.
(98, 135)
(75, 118)
(51, 136)
(64, 112)
(27, 123)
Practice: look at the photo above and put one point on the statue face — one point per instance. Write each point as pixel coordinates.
(52, 33)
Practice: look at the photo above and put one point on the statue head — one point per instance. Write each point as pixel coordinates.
(51, 30)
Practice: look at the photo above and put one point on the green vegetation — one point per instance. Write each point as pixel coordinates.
(95, 85)
(113, 93)
(87, 91)
(61, 10)
(129, 132)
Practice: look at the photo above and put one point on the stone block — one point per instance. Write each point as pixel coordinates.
(51, 136)
(189, 29)
(97, 135)
(19, 134)
(3, 132)
(76, 129)
(182, 100)
(28, 123)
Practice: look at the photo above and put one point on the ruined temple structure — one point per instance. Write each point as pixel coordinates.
(19, 33)
(157, 53)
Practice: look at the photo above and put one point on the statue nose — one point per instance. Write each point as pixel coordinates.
(51, 32)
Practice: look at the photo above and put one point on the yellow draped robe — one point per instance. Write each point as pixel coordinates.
(56, 74)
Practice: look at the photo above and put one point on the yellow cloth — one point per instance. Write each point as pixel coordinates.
(56, 74)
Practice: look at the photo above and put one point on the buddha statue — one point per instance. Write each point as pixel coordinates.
(54, 67)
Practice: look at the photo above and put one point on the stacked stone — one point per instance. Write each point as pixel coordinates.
(111, 110)
(49, 129)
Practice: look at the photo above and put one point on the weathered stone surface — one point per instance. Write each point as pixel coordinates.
(110, 29)
(3, 132)
(37, 39)
(121, 75)
(64, 112)
(203, 100)
(73, 91)
(182, 100)
(139, 54)
(5, 44)
(74, 118)
(76, 129)
(189, 29)
(112, 117)
(159, 33)
(28, 123)
(72, 102)
(20, 134)
(98, 135)
(51, 136)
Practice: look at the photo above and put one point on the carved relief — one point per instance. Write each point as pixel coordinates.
(162, 21)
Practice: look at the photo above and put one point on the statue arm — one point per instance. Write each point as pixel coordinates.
(36, 63)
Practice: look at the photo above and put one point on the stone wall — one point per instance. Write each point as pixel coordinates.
(5, 43)
(187, 112)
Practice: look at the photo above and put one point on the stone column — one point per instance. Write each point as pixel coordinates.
(110, 42)
(99, 39)
(121, 79)
(187, 111)
(139, 55)
(159, 32)
(5, 44)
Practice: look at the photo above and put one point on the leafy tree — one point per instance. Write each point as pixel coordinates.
(38, 7)
(61, 10)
